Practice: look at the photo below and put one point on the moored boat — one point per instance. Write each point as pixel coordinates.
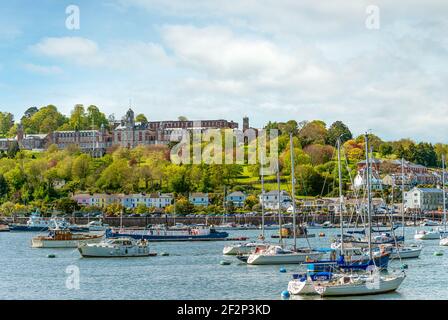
(350, 285)
(242, 248)
(275, 254)
(115, 248)
(196, 233)
(63, 239)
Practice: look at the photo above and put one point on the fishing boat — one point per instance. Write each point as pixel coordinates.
(63, 239)
(115, 248)
(35, 223)
(193, 233)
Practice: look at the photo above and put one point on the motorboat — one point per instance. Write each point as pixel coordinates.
(243, 248)
(430, 234)
(116, 247)
(62, 238)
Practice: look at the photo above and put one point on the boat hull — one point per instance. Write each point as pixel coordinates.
(408, 253)
(430, 235)
(288, 258)
(216, 236)
(41, 243)
(104, 252)
(369, 288)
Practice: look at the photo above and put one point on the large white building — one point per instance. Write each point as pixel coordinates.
(423, 199)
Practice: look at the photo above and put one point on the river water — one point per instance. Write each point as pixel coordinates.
(191, 271)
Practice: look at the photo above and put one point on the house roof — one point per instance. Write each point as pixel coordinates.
(236, 194)
(198, 194)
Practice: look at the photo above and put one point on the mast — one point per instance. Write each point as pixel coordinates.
(402, 195)
(443, 192)
(369, 197)
(279, 208)
(293, 187)
(341, 197)
(262, 199)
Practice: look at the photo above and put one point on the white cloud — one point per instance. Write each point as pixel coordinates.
(43, 70)
(75, 49)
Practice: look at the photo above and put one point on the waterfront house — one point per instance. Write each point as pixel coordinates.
(237, 198)
(129, 201)
(270, 199)
(199, 199)
(423, 199)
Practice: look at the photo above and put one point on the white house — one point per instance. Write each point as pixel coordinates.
(270, 200)
(156, 200)
(423, 199)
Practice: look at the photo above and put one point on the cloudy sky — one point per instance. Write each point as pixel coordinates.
(271, 60)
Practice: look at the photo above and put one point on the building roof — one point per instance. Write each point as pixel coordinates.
(198, 195)
(428, 189)
(236, 194)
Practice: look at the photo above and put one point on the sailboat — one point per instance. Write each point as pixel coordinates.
(403, 251)
(434, 234)
(278, 254)
(243, 249)
(443, 239)
(367, 283)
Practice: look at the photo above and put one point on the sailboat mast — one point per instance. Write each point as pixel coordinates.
(443, 192)
(262, 199)
(341, 197)
(369, 197)
(279, 207)
(293, 191)
(402, 195)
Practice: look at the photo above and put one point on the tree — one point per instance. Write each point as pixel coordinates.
(313, 132)
(46, 120)
(13, 149)
(30, 112)
(250, 202)
(319, 154)
(141, 118)
(3, 186)
(182, 118)
(336, 130)
(183, 206)
(6, 122)
(67, 205)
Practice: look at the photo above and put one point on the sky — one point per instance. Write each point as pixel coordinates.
(271, 60)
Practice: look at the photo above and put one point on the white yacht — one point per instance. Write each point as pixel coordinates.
(116, 247)
(430, 234)
(275, 254)
(243, 248)
(355, 284)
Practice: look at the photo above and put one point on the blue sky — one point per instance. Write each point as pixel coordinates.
(268, 59)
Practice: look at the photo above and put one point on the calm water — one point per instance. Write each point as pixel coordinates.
(191, 271)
